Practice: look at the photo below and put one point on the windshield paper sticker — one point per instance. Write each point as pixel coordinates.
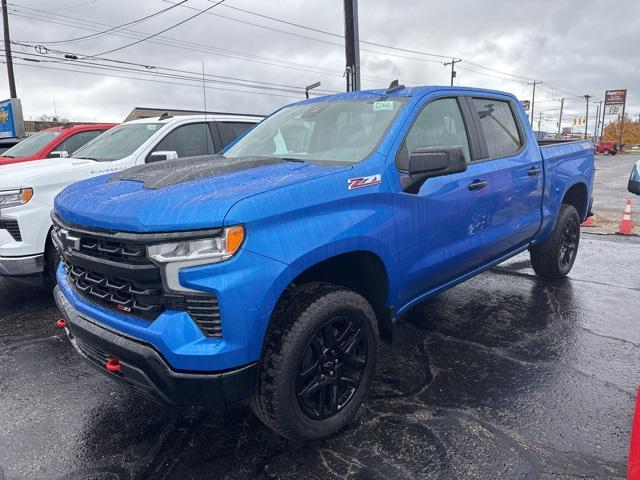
(360, 182)
(378, 106)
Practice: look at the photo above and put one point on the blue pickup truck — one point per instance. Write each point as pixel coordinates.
(269, 272)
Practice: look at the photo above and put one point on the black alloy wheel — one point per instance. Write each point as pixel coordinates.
(331, 367)
(569, 243)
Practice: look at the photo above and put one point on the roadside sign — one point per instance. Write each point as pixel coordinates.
(526, 104)
(11, 122)
(613, 109)
(615, 97)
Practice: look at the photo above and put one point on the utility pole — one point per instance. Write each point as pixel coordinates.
(604, 112)
(539, 121)
(453, 64)
(7, 50)
(598, 110)
(560, 118)
(622, 123)
(351, 45)
(586, 119)
(533, 98)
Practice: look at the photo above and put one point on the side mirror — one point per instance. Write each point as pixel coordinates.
(427, 162)
(162, 155)
(59, 154)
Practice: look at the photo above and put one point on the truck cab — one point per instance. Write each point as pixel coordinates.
(269, 273)
(27, 189)
(54, 142)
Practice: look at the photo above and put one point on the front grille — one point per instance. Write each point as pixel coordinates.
(117, 275)
(12, 227)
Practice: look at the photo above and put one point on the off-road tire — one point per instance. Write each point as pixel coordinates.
(51, 262)
(294, 324)
(548, 259)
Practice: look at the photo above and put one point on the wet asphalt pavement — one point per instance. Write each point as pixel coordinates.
(610, 185)
(504, 376)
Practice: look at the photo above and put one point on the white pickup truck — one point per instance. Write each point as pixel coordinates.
(27, 189)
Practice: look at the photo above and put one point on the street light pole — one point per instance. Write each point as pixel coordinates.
(7, 50)
(586, 120)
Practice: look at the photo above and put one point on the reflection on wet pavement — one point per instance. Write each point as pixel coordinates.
(505, 376)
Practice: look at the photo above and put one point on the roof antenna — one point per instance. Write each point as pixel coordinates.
(164, 116)
(394, 86)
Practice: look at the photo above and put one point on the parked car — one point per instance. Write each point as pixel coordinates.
(269, 273)
(54, 142)
(27, 190)
(634, 179)
(7, 143)
(607, 148)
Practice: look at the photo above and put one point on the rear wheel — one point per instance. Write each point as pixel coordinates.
(318, 363)
(555, 257)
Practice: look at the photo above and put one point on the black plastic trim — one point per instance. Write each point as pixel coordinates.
(145, 370)
(141, 238)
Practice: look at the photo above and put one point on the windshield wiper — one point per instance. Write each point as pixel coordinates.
(289, 159)
(7, 156)
(88, 158)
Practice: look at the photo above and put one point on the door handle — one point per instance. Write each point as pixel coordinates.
(478, 184)
(534, 171)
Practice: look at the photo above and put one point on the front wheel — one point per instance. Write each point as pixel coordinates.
(318, 363)
(607, 152)
(555, 257)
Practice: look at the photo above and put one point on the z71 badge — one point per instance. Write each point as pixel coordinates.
(360, 182)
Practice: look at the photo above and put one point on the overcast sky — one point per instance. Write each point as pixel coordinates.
(574, 47)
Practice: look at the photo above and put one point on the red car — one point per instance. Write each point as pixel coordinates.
(608, 148)
(54, 142)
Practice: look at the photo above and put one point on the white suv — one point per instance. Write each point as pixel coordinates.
(27, 189)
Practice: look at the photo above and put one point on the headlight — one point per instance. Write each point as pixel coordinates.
(13, 198)
(172, 257)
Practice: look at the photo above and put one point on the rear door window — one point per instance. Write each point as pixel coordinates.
(229, 131)
(498, 126)
(188, 141)
(74, 142)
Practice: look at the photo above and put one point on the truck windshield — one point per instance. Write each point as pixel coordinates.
(118, 142)
(344, 131)
(32, 145)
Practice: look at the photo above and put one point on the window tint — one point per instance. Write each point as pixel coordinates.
(498, 126)
(439, 124)
(76, 141)
(188, 141)
(232, 130)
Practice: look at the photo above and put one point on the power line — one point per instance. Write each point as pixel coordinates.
(171, 27)
(196, 85)
(184, 74)
(117, 27)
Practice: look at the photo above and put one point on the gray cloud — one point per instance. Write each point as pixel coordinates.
(576, 47)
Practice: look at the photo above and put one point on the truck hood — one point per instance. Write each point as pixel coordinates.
(18, 175)
(173, 195)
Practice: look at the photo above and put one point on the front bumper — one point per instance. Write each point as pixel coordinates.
(22, 266)
(145, 370)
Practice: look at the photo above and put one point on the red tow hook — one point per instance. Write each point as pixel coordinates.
(61, 323)
(113, 364)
